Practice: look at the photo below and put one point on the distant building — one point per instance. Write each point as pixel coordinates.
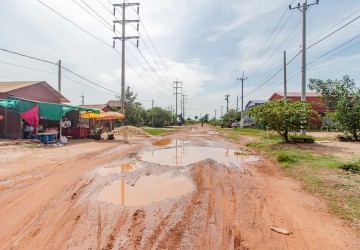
(254, 103)
(103, 107)
(114, 104)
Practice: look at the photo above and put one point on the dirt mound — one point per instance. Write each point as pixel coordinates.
(130, 132)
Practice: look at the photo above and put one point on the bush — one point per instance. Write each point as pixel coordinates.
(353, 166)
(302, 138)
(287, 157)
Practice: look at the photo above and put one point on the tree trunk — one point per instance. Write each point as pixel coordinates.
(355, 134)
(286, 136)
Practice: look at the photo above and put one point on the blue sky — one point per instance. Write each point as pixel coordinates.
(204, 43)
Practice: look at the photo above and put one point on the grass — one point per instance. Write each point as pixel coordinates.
(157, 131)
(320, 174)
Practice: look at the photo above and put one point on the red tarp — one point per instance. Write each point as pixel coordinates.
(32, 117)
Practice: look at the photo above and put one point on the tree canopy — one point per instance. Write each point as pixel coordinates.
(282, 116)
(159, 117)
(346, 98)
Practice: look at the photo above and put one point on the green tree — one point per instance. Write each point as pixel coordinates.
(161, 117)
(134, 111)
(345, 97)
(196, 117)
(282, 116)
(205, 118)
(230, 117)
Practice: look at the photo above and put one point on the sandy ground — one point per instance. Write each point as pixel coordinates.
(50, 200)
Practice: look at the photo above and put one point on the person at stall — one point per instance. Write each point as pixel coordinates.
(27, 130)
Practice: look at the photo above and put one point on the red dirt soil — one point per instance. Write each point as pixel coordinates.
(229, 209)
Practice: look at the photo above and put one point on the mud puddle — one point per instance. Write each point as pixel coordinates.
(183, 156)
(148, 189)
(118, 169)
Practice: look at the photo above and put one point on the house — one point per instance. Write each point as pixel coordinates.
(314, 99)
(254, 103)
(246, 121)
(38, 91)
(114, 104)
(103, 107)
(32, 90)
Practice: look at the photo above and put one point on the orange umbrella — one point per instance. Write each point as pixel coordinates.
(111, 115)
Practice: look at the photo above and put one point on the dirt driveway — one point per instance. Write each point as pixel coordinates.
(191, 190)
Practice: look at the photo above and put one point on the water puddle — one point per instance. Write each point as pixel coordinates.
(148, 189)
(163, 142)
(117, 169)
(183, 156)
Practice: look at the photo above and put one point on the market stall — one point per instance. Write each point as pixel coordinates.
(35, 112)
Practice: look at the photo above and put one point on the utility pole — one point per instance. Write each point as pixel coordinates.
(242, 79)
(82, 99)
(227, 102)
(237, 103)
(176, 85)
(285, 77)
(184, 99)
(152, 109)
(215, 114)
(303, 9)
(222, 110)
(59, 77)
(123, 38)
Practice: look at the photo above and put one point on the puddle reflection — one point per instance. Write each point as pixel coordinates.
(181, 155)
(117, 169)
(148, 189)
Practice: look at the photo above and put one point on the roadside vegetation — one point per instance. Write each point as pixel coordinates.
(157, 131)
(323, 174)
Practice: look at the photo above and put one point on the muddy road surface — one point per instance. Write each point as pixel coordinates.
(191, 189)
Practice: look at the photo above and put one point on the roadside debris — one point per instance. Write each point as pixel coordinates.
(280, 230)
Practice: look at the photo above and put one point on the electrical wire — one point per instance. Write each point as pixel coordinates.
(261, 53)
(19, 54)
(97, 38)
(332, 33)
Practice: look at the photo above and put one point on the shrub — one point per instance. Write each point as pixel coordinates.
(353, 166)
(302, 138)
(287, 157)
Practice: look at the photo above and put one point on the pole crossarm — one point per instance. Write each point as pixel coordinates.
(126, 21)
(299, 7)
(126, 4)
(126, 38)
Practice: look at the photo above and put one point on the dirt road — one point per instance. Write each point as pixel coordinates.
(190, 190)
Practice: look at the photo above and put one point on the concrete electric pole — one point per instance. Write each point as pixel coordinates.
(215, 114)
(184, 101)
(152, 116)
(177, 85)
(227, 102)
(221, 107)
(82, 99)
(123, 38)
(285, 77)
(59, 77)
(242, 79)
(303, 9)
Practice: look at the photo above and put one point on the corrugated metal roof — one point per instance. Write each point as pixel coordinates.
(298, 94)
(9, 86)
(95, 106)
(114, 103)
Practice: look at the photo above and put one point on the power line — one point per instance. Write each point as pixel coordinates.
(260, 54)
(19, 54)
(332, 33)
(26, 67)
(97, 38)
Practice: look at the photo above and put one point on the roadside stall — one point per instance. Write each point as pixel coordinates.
(43, 117)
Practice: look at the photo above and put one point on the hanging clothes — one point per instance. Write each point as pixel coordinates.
(31, 116)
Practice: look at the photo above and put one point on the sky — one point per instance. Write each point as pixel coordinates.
(205, 44)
